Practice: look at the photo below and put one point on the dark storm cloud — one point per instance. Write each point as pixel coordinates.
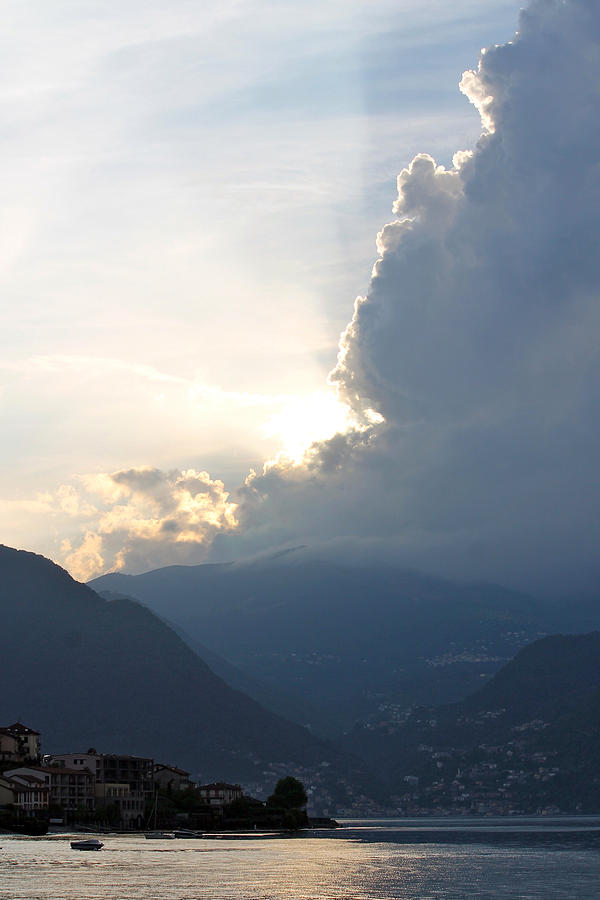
(478, 340)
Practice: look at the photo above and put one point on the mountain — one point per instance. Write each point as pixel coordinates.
(294, 708)
(525, 742)
(543, 680)
(352, 642)
(85, 671)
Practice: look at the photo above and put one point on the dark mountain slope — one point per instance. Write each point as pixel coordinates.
(87, 672)
(543, 679)
(354, 641)
(527, 740)
(270, 697)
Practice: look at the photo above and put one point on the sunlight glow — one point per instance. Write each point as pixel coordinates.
(304, 420)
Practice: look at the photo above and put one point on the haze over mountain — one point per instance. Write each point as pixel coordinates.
(346, 643)
(85, 672)
(526, 740)
(379, 652)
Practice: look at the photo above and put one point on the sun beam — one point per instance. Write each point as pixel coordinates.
(304, 420)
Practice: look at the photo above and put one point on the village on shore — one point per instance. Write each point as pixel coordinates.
(105, 791)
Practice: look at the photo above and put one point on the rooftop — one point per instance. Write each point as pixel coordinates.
(18, 729)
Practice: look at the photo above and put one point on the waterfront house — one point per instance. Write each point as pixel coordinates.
(170, 778)
(130, 804)
(219, 794)
(70, 789)
(126, 782)
(136, 771)
(27, 793)
(18, 743)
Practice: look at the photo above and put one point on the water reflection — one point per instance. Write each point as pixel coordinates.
(363, 862)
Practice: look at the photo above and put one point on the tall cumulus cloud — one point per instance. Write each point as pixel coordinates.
(478, 339)
(472, 365)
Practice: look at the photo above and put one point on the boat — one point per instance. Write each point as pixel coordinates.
(157, 835)
(187, 833)
(89, 844)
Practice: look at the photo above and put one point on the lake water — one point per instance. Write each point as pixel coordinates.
(403, 859)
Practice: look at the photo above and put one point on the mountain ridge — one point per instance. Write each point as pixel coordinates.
(526, 741)
(90, 672)
(350, 638)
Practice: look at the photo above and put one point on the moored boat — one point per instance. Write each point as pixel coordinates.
(89, 844)
(159, 836)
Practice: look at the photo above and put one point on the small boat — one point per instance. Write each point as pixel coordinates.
(187, 833)
(90, 844)
(159, 836)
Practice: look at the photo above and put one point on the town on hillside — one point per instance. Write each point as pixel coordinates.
(126, 793)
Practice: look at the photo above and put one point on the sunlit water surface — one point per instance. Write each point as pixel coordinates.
(393, 859)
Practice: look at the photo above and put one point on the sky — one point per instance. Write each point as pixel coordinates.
(192, 197)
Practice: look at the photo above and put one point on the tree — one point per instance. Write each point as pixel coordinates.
(289, 794)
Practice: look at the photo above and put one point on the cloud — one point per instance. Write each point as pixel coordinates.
(143, 517)
(86, 560)
(477, 340)
(471, 366)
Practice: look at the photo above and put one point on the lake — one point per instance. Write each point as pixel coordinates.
(417, 859)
